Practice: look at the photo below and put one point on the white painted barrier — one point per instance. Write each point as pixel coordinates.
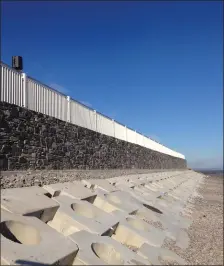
(17, 88)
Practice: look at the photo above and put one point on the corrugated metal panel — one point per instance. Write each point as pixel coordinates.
(120, 131)
(11, 86)
(105, 125)
(82, 116)
(131, 136)
(139, 139)
(44, 100)
(155, 146)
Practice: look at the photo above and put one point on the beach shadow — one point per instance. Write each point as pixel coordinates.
(29, 263)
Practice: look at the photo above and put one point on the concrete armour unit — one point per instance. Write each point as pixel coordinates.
(125, 178)
(113, 180)
(134, 232)
(146, 199)
(142, 197)
(138, 182)
(75, 215)
(147, 192)
(75, 190)
(103, 250)
(147, 179)
(27, 240)
(182, 239)
(125, 221)
(152, 187)
(118, 200)
(34, 190)
(99, 183)
(177, 220)
(160, 256)
(27, 202)
(124, 183)
(160, 220)
(168, 207)
(167, 185)
(146, 176)
(172, 222)
(124, 201)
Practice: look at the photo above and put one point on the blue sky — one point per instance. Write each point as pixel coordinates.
(154, 66)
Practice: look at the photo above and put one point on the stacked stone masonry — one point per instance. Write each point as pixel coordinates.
(31, 140)
(116, 221)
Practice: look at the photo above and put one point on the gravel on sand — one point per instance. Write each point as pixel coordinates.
(206, 231)
(13, 179)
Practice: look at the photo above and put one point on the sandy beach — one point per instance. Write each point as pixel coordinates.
(206, 231)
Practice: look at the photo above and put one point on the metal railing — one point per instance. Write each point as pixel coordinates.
(22, 90)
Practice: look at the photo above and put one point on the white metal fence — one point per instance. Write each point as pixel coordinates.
(12, 86)
(17, 88)
(43, 99)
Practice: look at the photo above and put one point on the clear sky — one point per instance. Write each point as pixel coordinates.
(154, 66)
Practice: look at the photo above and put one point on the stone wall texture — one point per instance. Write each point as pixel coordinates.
(31, 140)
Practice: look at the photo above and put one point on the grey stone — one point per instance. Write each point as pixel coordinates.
(61, 145)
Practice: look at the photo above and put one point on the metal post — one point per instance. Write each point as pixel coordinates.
(68, 109)
(24, 79)
(125, 128)
(113, 126)
(95, 118)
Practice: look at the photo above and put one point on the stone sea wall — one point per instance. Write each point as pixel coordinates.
(31, 140)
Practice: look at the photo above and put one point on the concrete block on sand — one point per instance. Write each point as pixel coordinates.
(160, 256)
(27, 240)
(75, 215)
(118, 200)
(27, 202)
(142, 196)
(99, 183)
(103, 250)
(34, 190)
(75, 190)
(124, 184)
(134, 232)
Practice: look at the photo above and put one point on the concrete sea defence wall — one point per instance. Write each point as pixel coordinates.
(32, 140)
(115, 221)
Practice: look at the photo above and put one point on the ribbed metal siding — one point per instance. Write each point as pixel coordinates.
(44, 100)
(11, 86)
(82, 116)
(139, 139)
(105, 125)
(120, 131)
(131, 135)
